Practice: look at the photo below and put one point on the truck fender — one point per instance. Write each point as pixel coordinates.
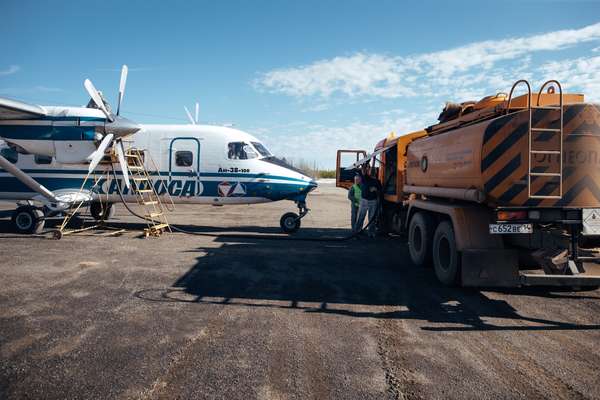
(470, 222)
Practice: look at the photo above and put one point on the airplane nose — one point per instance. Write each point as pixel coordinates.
(312, 185)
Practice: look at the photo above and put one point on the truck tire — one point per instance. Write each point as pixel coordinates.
(102, 211)
(420, 238)
(28, 219)
(446, 257)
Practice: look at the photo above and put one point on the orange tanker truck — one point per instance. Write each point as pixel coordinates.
(501, 192)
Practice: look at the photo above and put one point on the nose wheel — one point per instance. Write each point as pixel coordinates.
(290, 222)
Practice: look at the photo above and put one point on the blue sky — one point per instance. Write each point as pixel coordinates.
(307, 77)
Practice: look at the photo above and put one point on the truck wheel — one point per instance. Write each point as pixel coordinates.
(420, 238)
(102, 211)
(28, 219)
(446, 258)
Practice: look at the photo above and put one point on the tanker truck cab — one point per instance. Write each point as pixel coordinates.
(502, 192)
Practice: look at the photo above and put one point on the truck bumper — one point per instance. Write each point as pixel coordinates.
(500, 268)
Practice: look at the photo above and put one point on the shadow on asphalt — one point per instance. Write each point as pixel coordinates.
(335, 278)
(337, 275)
(78, 222)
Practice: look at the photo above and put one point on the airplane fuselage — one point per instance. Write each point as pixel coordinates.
(190, 163)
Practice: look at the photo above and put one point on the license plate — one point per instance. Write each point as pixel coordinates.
(500, 229)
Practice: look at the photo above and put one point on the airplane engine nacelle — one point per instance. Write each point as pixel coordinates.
(73, 152)
(69, 144)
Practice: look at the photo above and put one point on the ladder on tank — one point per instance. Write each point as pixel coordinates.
(531, 131)
(146, 194)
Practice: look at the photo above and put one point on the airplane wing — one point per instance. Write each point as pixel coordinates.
(12, 109)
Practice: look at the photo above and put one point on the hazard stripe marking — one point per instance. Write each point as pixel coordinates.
(585, 183)
(504, 146)
(495, 127)
(504, 173)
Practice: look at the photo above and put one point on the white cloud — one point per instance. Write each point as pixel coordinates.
(460, 71)
(359, 74)
(12, 69)
(405, 85)
(316, 107)
(576, 74)
(319, 143)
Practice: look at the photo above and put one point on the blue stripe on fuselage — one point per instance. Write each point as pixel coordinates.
(176, 187)
(47, 132)
(224, 175)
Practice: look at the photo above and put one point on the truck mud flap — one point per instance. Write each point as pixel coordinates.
(490, 268)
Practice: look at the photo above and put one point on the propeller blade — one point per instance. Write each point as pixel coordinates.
(97, 155)
(122, 162)
(89, 86)
(197, 112)
(124, 71)
(189, 115)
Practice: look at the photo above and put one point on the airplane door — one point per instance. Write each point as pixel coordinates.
(184, 167)
(344, 174)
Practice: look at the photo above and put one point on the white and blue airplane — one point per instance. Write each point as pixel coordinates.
(48, 151)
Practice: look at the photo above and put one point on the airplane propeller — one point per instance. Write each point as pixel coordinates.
(193, 121)
(95, 95)
(122, 82)
(116, 128)
(97, 155)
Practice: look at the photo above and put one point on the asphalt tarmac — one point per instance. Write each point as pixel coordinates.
(94, 316)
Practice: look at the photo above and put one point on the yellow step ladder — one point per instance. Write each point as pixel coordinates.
(145, 192)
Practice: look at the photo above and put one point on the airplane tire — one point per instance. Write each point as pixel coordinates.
(446, 257)
(289, 222)
(28, 220)
(420, 238)
(102, 211)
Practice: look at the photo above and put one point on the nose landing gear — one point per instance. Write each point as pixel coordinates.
(290, 222)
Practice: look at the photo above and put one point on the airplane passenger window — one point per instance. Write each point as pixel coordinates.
(240, 151)
(42, 159)
(261, 149)
(184, 158)
(10, 154)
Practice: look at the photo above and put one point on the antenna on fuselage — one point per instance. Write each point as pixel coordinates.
(193, 121)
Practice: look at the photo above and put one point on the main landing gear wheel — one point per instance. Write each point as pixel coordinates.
(290, 222)
(102, 211)
(28, 219)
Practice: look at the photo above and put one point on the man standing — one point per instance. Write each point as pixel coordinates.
(370, 193)
(354, 195)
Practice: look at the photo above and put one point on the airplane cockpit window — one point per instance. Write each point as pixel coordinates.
(240, 151)
(184, 158)
(10, 154)
(261, 149)
(42, 159)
